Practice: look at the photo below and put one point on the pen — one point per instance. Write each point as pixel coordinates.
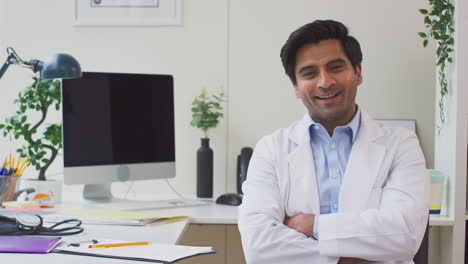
(119, 244)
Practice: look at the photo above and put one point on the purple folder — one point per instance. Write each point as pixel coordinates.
(28, 244)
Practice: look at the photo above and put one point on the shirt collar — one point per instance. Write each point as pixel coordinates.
(354, 124)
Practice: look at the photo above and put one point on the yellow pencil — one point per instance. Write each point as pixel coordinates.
(11, 161)
(20, 171)
(24, 162)
(119, 244)
(5, 162)
(22, 166)
(18, 162)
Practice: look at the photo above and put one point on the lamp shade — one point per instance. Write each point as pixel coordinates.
(59, 66)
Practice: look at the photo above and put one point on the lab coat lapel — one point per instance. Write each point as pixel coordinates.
(302, 167)
(363, 166)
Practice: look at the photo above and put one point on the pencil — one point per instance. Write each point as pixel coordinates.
(22, 166)
(18, 162)
(12, 161)
(119, 244)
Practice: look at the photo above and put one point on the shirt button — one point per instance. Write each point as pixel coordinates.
(333, 145)
(333, 174)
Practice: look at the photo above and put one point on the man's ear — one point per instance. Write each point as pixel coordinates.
(358, 72)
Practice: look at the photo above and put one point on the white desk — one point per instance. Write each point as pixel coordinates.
(164, 233)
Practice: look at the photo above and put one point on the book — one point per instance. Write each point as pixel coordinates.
(151, 252)
(28, 244)
(112, 217)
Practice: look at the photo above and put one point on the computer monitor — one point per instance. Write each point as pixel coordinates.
(117, 127)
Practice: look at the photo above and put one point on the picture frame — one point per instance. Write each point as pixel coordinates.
(127, 12)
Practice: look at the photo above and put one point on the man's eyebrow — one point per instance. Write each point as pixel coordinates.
(339, 60)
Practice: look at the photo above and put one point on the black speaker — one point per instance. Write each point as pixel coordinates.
(243, 161)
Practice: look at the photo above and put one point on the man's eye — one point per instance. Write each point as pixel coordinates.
(308, 74)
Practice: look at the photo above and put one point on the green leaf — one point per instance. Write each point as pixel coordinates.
(425, 42)
(427, 20)
(422, 34)
(423, 11)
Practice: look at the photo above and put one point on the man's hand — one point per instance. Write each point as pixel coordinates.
(303, 223)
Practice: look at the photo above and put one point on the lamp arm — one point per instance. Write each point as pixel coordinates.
(34, 65)
(11, 59)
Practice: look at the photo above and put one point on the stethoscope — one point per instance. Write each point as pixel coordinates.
(32, 224)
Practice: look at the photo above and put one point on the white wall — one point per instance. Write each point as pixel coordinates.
(398, 73)
(234, 44)
(195, 53)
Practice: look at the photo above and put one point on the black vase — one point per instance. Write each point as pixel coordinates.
(205, 170)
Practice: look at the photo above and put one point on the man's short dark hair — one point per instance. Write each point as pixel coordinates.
(313, 33)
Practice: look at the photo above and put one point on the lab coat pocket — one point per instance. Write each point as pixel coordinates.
(375, 197)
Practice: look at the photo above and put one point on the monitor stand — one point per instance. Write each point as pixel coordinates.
(98, 192)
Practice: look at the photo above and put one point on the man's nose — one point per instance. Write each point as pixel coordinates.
(326, 80)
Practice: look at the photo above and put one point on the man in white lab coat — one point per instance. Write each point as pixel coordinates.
(336, 186)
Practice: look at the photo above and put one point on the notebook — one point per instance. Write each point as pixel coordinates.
(112, 217)
(28, 244)
(152, 252)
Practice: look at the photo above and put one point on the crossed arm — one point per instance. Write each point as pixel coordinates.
(304, 223)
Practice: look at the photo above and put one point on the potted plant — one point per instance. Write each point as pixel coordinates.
(42, 143)
(206, 114)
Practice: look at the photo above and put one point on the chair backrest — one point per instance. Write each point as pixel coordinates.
(422, 256)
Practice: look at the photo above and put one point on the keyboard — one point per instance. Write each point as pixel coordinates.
(158, 204)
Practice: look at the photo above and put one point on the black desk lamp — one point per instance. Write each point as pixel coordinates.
(58, 66)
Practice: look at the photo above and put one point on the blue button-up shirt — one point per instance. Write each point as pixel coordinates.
(331, 157)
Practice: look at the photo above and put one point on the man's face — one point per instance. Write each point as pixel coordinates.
(326, 82)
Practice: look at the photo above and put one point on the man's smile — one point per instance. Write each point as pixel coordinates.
(329, 96)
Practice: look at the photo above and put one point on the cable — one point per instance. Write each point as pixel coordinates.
(174, 190)
(129, 188)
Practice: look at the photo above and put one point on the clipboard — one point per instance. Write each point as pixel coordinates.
(152, 253)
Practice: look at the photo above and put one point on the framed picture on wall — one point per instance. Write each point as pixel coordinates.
(128, 12)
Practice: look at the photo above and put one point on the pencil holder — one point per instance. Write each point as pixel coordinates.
(8, 186)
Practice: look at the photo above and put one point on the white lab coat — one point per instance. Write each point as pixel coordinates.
(383, 203)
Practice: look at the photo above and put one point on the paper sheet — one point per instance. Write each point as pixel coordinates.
(158, 252)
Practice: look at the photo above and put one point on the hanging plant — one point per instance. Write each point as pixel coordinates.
(440, 26)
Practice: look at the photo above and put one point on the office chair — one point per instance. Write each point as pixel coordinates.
(422, 256)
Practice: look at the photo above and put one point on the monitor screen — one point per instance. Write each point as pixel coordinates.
(118, 126)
